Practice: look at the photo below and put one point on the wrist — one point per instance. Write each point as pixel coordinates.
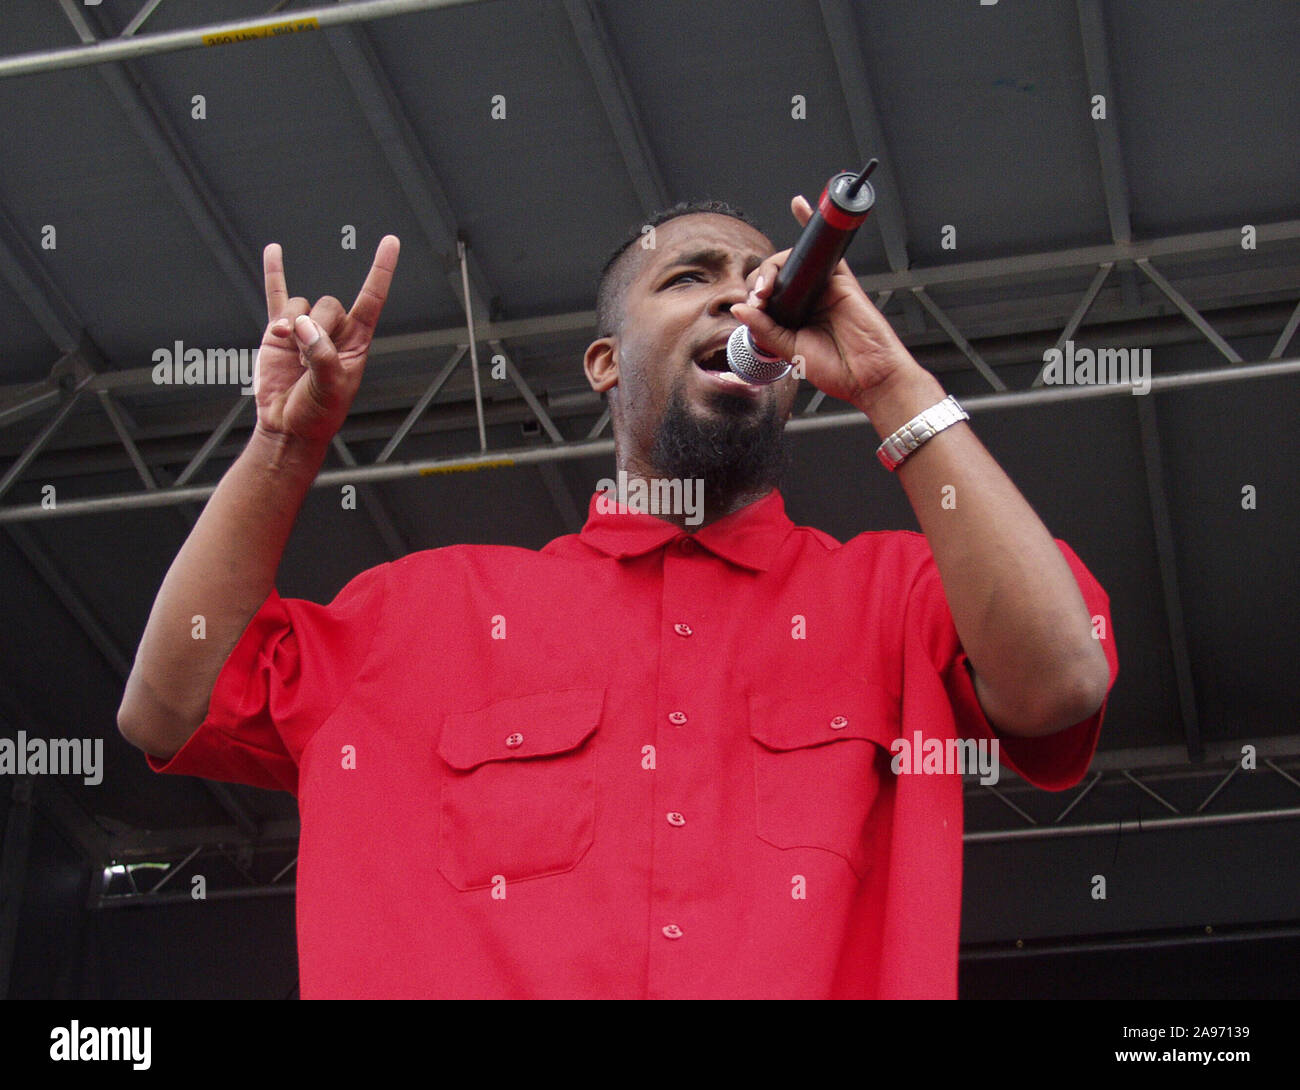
(892, 403)
(286, 455)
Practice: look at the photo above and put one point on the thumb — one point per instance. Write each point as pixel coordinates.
(319, 354)
(773, 339)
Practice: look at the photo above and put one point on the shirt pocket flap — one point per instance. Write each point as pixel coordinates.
(845, 710)
(537, 725)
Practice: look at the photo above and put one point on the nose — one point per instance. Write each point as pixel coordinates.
(731, 290)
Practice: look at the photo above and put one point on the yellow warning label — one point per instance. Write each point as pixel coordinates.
(499, 464)
(266, 30)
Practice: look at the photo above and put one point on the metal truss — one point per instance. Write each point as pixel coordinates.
(81, 370)
(229, 872)
(72, 377)
(128, 45)
(165, 854)
(82, 376)
(1129, 786)
(1129, 789)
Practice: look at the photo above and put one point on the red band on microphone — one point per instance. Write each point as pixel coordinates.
(836, 216)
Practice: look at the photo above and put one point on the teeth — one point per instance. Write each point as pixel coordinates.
(730, 376)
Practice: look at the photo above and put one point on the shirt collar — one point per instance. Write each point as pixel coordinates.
(750, 537)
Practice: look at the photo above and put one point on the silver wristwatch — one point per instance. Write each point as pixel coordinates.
(922, 427)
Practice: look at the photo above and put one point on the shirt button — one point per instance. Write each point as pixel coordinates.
(676, 819)
(514, 740)
(686, 546)
(672, 931)
(839, 723)
(682, 629)
(677, 718)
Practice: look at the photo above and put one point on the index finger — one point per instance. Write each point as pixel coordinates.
(277, 294)
(370, 299)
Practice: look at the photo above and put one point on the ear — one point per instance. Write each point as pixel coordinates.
(601, 364)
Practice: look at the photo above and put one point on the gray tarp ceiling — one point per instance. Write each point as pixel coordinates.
(135, 198)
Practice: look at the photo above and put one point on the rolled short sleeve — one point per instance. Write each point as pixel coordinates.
(290, 670)
(1054, 762)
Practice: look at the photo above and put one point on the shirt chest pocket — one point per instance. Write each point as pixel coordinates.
(819, 762)
(518, 795)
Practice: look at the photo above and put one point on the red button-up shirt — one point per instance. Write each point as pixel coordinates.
(637, 763)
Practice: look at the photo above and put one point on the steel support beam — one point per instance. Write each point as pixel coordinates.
(1135, 825)
(1188, 311)
(553, 480)
(889, 213)
(182, 174)
(137, 21)
(1288, 331)
(393, 538)
(214, 226)
(144, 845)
(147, 45)
(38, 396)
(20, 464)
(467, 300)
(417, 410)
(557, 452)
(1114, 177)
(33, 286)
(990, 272)
(967, 349)
(624, 118)
(428, 202)
(143, 900)
(211, 443)
(526, 392)
(425, 196)
(114, 413)
(1076, 319)
(1167, 560)
(1144, 942)
(1030, 832)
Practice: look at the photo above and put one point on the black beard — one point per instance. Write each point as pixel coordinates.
(734, 453)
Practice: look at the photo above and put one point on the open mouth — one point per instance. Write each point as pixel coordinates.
(714, 364)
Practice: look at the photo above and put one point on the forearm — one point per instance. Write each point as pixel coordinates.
(1014, 601)
(223, 573)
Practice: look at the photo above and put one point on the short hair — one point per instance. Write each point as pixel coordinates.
(614, 278)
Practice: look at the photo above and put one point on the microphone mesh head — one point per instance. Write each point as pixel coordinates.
(755, 367)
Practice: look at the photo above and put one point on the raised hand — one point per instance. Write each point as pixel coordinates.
(311, 358)
(849, 349)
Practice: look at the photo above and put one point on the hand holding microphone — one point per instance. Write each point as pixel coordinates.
(842, 209)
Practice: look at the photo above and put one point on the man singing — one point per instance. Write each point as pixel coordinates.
(659, 757)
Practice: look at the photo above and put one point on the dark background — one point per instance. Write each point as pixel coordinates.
(981, 117)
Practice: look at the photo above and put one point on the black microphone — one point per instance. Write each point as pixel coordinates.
(842, 209)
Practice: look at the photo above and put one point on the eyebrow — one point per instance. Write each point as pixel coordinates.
(710, 259)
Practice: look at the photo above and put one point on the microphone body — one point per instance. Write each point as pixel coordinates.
(842, 209)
